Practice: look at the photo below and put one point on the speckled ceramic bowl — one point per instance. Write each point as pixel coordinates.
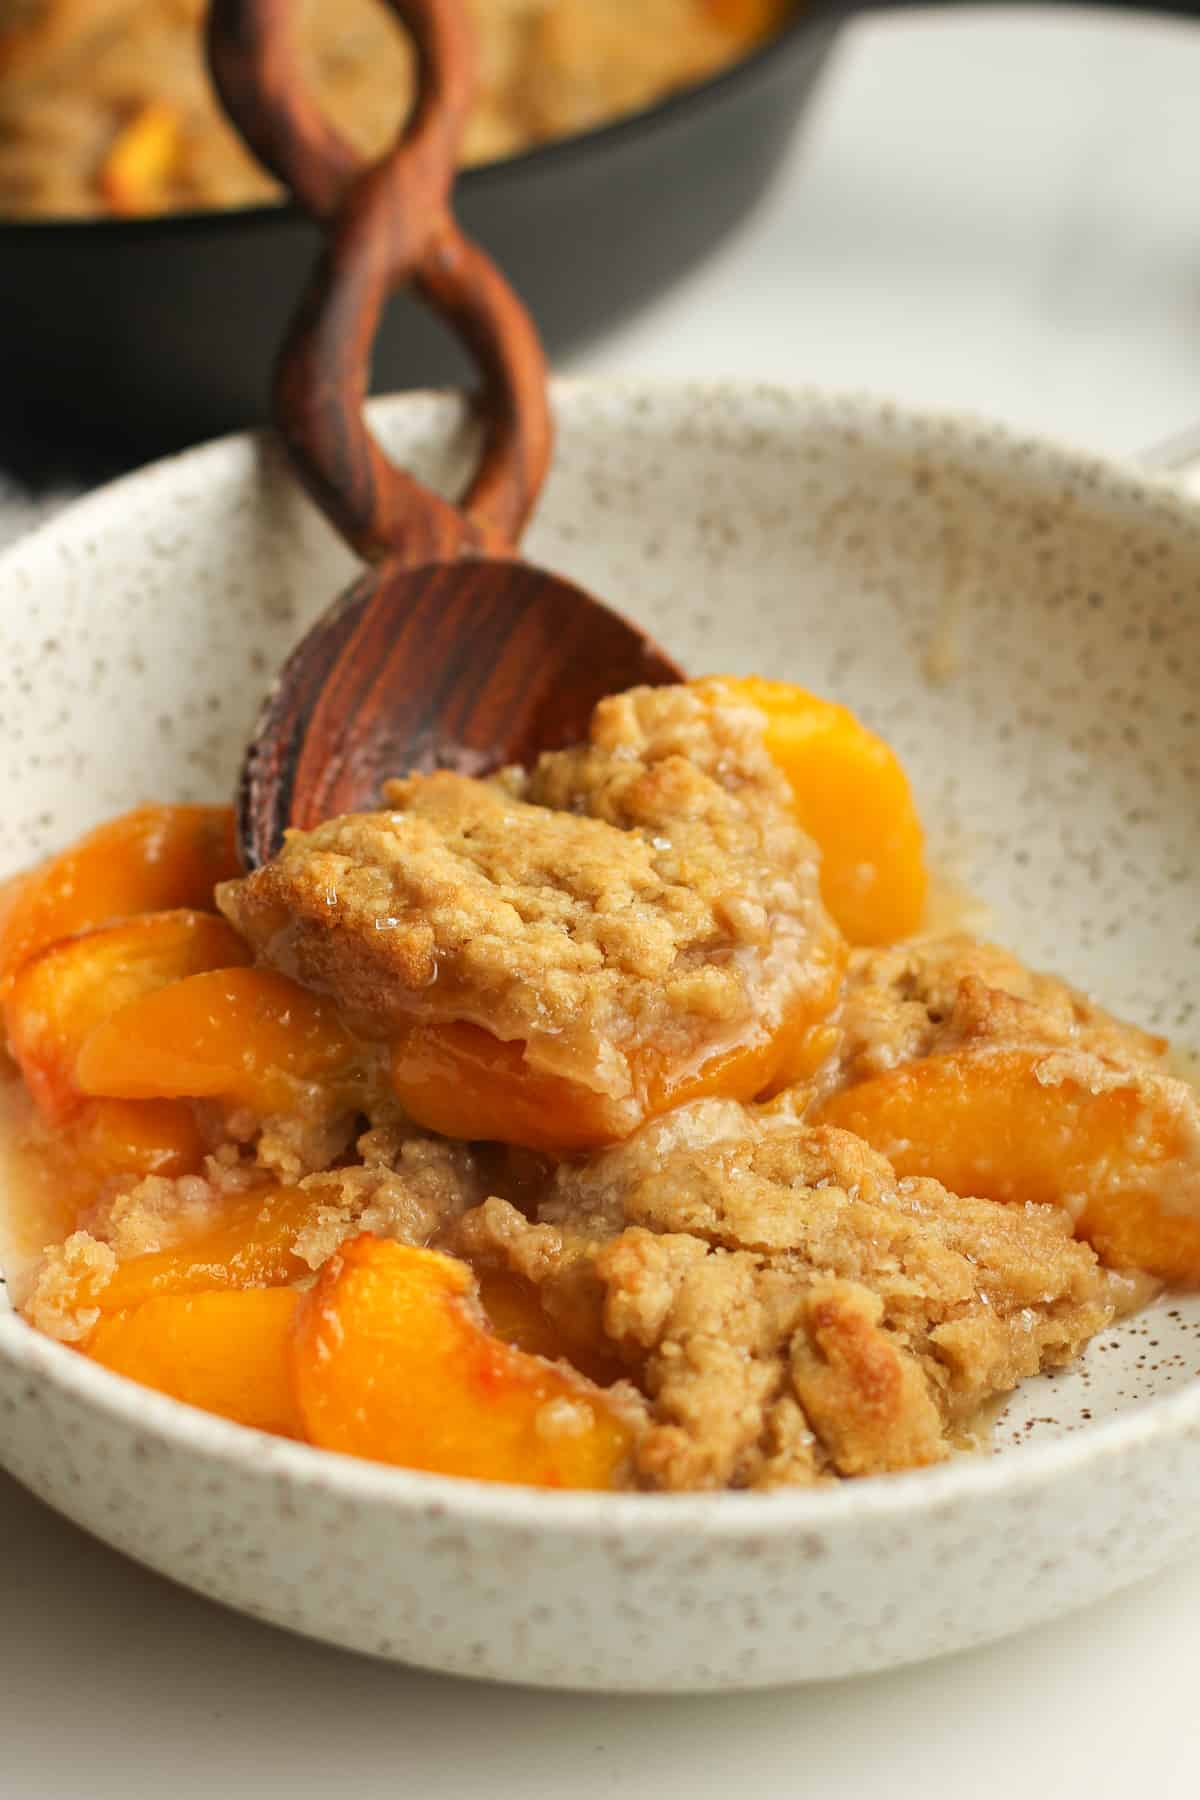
(861, 550)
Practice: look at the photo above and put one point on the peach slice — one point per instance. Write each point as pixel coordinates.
(745, 20)
(59, 1172)
(460, 1081)
(249, 1036)
(134, 1137)
(764, 1062)
(1121, 1154)
(144, 861)
(135, 175)
(853, 798)
(392, 1360)
(57, 998)
(516, 1316)
(226, 1353)
(249, 1245)
(124, 1137)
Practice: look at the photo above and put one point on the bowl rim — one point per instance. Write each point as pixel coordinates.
(787, 39)
(772, 1515)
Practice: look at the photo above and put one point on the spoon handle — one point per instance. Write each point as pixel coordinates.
(386, 223)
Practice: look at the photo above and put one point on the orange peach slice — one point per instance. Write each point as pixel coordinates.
(853, 798)
(135, 175)
(765, 1061)
(61, 1171)
(745, 20)
(226, 1353)
(392, 1360)
(461, 1081)
(133, 1137)
(248, 1246)
(57, 998)
(516, 1316)
(1121, 1154)
(249, 1036)
(145, 861)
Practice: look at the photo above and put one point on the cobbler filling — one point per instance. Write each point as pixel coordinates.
(604, 1124)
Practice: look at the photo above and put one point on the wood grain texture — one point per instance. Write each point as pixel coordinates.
(388, 224)
(449, 653)
(466, 666)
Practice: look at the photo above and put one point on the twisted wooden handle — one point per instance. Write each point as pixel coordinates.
(386, 223)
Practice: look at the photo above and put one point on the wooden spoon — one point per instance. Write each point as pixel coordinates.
(447, 652)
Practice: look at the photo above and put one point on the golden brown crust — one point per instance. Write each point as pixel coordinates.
(649, 891)
(793, 1310)
(866, 1397)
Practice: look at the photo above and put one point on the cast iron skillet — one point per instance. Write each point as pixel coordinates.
(123, 339)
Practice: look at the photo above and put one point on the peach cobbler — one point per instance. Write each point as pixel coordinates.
(106, 109)
(611, 1123)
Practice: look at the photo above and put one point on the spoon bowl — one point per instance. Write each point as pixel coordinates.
(465, 666)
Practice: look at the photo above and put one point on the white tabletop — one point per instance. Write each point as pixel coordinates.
(994, 210)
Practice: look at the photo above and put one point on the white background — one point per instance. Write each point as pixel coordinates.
(997, 211)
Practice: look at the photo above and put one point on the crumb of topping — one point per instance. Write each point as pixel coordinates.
(292, 1145)
(412, 1189)
(563, 1418)
(69, 1275)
